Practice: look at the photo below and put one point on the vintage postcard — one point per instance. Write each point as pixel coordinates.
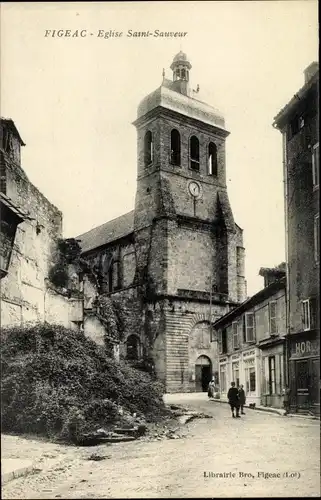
(160, 249)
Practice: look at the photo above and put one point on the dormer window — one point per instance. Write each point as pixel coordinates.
(212, 159)
(148, 148)
(194, 153)
(175, 147)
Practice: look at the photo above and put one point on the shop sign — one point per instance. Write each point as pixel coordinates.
(248, 354)
(305, 348)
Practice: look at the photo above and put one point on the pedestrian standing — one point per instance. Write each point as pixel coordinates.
(286, 399)
(233, 399)
(211, 386)
(242, 399)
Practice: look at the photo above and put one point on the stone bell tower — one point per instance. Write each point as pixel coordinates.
(186, 239)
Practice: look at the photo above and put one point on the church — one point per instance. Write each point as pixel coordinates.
(175, 264)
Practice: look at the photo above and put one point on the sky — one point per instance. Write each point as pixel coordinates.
(73, 100)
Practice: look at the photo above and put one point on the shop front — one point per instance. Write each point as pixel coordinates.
(249, 373)
(223, 378)
(273, 372)
(304, 372)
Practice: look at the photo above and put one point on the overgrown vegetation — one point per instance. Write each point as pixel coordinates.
(69, 252)
(59, 384)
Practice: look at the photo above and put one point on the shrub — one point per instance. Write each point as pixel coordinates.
(58, 383)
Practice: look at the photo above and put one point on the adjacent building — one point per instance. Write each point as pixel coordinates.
(30, 228)
(176, 262)
(251, 340)
(298, 122)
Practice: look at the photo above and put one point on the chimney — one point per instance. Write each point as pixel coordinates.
(310, 71)
(272, 274)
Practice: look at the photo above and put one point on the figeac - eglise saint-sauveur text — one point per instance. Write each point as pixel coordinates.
(109, 34)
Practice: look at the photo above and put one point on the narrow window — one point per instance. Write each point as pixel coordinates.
(113, 276)
(110, 278)
(224, 341)
(315, 166)
(272, 388)
(219, 341)
(317, 238)
(183, 74)
(305, 311)
(252, 376)
(212, 159)
(175, 147)
(148, 148)
(132, 348)
(235, 335)
(249, 321)
(223, 384)
(272, 318)
(195, 153)
(6, 140)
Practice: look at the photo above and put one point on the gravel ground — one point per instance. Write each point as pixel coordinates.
(251, 452)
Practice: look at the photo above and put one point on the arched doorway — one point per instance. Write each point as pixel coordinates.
(132, 348)
(203, 373)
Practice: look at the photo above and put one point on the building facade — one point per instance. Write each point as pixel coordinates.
(30, 230)
(251, 340)
(298, 122)
(176, 262)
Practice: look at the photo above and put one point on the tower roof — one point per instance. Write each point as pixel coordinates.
(166, 96)
(181, 58)
(177, 96)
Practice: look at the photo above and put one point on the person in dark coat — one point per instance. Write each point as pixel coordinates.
(233, 399)
(286, 399)
(242, 398)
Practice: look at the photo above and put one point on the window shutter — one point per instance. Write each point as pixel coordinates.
(273, 318)
(313, 315)
(244, 329)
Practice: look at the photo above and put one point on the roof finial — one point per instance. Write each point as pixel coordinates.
(163, 74)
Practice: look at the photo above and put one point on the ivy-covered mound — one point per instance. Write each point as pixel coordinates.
(58, 383)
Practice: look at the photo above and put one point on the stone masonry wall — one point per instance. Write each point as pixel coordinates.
(185, 342)
(303, 205)
(191, 258)
(25, 291)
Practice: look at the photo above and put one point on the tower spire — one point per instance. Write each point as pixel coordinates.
(181, 67)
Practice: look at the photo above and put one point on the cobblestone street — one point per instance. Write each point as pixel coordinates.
(247, 450)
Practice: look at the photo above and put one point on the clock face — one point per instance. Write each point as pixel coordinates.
(194, 189)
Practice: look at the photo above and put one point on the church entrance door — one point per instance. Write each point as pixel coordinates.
(203, 373)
